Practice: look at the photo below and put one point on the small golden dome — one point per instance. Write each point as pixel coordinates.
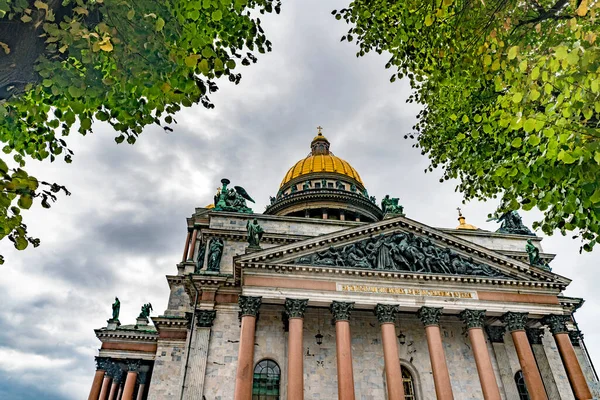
(321, 160)
(463, 224)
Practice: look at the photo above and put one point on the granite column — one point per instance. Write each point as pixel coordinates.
(386, 315)
(343, 345)
(243, 380)
(294, 309)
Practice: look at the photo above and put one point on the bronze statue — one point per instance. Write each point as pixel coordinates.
(116, 308)
(200, 260)
(255, 233)
(232, 199)
(512, 223)
(214, 255)
(306, 185)
(534, 256)
(391, 206)
(145, 313)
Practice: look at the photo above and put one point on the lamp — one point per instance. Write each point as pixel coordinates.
(319, 338)
(402, 338)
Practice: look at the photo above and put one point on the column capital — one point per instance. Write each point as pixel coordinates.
(249, 305)
(515, 321)
(472, 318)
(341, 310)
(142, 377)
(102, 363)
(205, 318)
(575, 337)
(535, 335)
(496, 333)
(430, 315)
(116, 373)
(295, 308)
(556, 323)
(134, 365)
(386, 313)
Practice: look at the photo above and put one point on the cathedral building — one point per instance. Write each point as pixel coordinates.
(328, 294)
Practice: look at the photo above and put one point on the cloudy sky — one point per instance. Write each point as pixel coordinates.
(123, 229)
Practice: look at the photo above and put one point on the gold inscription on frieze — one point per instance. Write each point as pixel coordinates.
(407, 291)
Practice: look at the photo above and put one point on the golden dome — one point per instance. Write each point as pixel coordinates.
(321, 160)
(321, 163)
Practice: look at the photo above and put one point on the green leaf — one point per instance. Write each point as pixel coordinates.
(160, 24)
(512, 52)
(428, 20)
(517, 97)
(75, 91)
(217, 15)
(25, 201)
(533, 140)
(516, 142)
(595, 197)
(529, 125)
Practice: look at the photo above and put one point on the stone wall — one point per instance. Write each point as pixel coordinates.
(168, 370)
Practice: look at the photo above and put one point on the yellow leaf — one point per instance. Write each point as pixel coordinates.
(40, 5)
(26, 18)
(538, 28)
(583, 8)
(428, 20)
(64, 48)
(106, 45)
(81, 10)
(5, 47)
(512, 53)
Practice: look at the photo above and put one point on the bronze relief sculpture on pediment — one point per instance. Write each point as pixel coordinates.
(399, 252)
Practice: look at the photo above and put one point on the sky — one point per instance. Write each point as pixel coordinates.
(123, 228)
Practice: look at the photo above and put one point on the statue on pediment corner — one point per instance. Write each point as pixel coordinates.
(116, 309)
(233, 200)
(145, 311)
(534, 256)
(200, 260)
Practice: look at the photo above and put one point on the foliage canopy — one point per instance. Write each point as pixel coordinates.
(67, 63)
(511, 97)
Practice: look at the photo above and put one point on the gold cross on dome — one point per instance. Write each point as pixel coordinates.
(319, 129)
(459, 211)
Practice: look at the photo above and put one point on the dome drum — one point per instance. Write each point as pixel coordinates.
(326, 186)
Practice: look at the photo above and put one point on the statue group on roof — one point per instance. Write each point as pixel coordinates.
(512, 223)
(233, 200)
(391, 206)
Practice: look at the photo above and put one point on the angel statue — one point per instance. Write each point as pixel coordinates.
(534, 256)
(232, 199)
(391, 206)
(255, 233)
(146, 308)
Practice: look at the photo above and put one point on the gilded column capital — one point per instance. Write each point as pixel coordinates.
(249, 305)
(341, 310)
(134, 365)
(205, 318)
(496, 333)
(535, 335)
(515, 321)
(386, 313)
(295, 308)
(430, 315)
(472, 318)
(556, 323)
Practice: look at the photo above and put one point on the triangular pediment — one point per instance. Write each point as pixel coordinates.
(401, 245)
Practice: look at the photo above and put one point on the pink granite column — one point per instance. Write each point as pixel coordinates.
(101, 365)
(515, 323)
(430, 316)
(245, 370)
(294, 309)
(131, 380)
(187, 246)
(557, 324)
(343, 344)
(386, 315)
(474, 320)
(193, 245)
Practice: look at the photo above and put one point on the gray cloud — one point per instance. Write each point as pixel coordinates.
(123, 229)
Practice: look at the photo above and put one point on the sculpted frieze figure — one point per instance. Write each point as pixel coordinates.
(255, 233)
(306, 185)
(512, 223)
(391, 206)
(232, 199)
(215, 252)
(399, 252)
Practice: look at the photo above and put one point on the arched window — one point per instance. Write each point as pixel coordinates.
(521, 387)
(409, 385)
(265, 385)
